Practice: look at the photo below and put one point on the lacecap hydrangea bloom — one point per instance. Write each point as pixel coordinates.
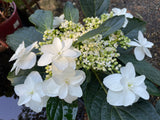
(125, 88)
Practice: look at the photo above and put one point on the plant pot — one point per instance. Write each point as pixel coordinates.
(10, 25)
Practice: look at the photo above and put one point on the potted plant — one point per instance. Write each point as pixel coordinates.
(9, 21)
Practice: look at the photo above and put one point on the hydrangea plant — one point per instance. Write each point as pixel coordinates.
(66, 60)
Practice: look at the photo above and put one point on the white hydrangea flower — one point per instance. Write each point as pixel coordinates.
(58, 20)
(125, 88)
(66, 83)
(118, 12)
(142, 46)
(25, 59)
(30, 93)
(58, 53)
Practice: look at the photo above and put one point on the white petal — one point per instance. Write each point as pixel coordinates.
(50, 88)
(116, 10)
(21, 89)
(45, 59)
(132, 43)
(61, 63)
(71, 62)
(29, 48)
(63, 91)
(57, 44)
(49, 49)
(35, 106)
(148, 44)
(36, 97)
(17, 70)
(121, 98)
(139, 80)
(69, 53)
(14, 65)
(67, 44)
(128, 71)
(34, 77)
(123, 11)
(139, 53)
(113, 82)
(24, 99)
(18, 51)
(70, 99)
(141, 92)
(75, 91)
(129, 15)
(28, 61)
(140, 36)
(125, 23)
(78, 79)
(147, 52)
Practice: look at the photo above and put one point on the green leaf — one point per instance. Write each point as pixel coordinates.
(71, 13)
(27, 34)
(59, 110)
(141, 67)
(132, 28)
(98, 108)
(42, 19)
(152, 89)
(158, 106)
(108, 27)
(93, 8)
(19, 79)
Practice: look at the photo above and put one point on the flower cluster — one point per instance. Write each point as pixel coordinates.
(64, 61)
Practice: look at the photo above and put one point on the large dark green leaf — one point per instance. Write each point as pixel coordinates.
(158, 106)
(27, 34)
(152, 89)
(108, 27)
(59, 110)
(71, 13)
(93, 8)
(132, 28)
(141, 67)
(98, 108)
(42, 19)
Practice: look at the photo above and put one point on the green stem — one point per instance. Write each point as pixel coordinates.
(100, 82)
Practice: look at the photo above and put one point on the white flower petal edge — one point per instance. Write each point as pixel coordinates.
(118, 12)
(142, 46)
(125, 89)
(69, 82)
(58, 20)
(60, 53)
(25, 59)
(31, 93)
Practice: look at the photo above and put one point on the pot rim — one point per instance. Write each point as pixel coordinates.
(14, 7)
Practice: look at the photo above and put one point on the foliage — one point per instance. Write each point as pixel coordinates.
(95, 49)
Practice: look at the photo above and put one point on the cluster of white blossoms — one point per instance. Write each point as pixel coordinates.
(62, 59)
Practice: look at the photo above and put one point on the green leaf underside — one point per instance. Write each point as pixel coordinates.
(98, 108)
(59, 110)
(27, 34)
(42, 19)
(93, 8)
(71, 13)
(108, 27)
(141, 67)
(132, 28)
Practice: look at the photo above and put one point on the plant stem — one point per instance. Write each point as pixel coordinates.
(100, 82)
